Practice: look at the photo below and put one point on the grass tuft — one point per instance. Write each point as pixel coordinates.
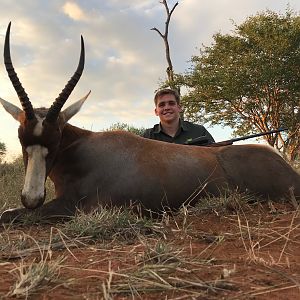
(232, 202)
(34, 276)
(109, 224)
(161, 253)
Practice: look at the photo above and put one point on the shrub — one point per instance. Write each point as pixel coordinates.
(126, 127)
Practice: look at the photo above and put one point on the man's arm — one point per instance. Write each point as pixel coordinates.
(204, 138)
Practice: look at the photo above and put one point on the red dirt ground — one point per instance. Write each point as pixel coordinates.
(249, 254)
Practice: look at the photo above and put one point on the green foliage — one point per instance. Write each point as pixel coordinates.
(126, 127)
(2, 150)
(250, 81)
(11, 181)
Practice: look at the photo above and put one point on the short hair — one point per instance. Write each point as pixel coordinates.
(167, 91)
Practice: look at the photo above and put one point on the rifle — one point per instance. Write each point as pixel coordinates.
(203, 140)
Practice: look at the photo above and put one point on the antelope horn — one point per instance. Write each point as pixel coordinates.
(57, 105)
(26, 104)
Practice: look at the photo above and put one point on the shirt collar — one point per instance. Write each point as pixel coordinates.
(157, 128)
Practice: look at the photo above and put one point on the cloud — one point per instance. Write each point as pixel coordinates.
(74, 11)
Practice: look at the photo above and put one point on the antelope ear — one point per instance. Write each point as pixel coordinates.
(12, 109)
(73, 109)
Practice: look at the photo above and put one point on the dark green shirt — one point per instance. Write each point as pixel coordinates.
(186, 131)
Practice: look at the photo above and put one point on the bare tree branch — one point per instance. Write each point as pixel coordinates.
(164, 36)
(154, 28)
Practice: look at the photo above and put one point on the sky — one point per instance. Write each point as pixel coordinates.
(125, 60)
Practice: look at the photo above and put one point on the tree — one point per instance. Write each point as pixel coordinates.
(250, 81)
(164, 36)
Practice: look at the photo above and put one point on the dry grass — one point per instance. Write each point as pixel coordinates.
(257, 237)
(32, 277)
(156, 263)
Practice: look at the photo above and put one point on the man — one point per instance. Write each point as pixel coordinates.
(171, 128)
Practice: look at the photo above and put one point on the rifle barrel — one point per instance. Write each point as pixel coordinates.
(203, 140)
(255, 135)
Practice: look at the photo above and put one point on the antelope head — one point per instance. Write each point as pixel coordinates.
(40, 130)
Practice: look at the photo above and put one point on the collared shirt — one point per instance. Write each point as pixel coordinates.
(186, 132)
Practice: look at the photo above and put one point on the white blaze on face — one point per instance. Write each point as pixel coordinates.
(34, 185)
(38, 129)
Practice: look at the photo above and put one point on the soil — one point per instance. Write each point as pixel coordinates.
(251, 253)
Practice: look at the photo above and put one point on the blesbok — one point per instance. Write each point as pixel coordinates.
(117, 168)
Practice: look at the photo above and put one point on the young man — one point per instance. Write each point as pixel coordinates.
(171, 128)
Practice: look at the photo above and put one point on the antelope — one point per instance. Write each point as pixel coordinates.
(93, 169)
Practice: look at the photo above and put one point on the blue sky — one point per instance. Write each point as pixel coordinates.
(125, 60)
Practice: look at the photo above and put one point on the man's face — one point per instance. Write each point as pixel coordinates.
(167, 108)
